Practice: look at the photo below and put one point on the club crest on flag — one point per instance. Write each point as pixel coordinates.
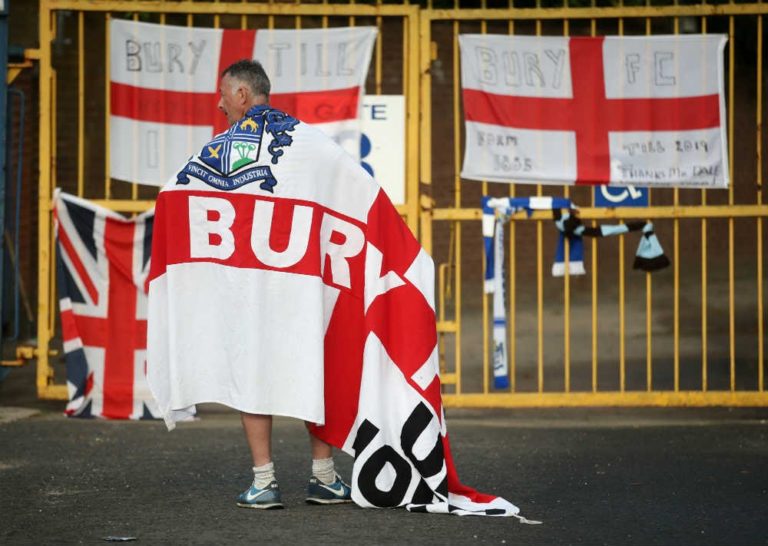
(231, 159)
(236, 148)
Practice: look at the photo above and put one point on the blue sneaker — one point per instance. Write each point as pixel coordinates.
(336, 493)
(264, 499)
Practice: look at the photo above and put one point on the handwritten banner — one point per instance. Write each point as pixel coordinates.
(640, 110)
(164, 87)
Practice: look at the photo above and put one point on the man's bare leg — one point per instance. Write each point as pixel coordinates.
(264, 493)
(325, 485)
(258, 433)
(320, 449)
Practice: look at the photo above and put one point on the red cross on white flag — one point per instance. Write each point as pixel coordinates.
(647, 111)
(164, 87)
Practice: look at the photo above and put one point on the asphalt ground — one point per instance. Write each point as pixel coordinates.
(600, 476)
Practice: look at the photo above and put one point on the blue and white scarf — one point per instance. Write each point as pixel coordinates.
(496, 212)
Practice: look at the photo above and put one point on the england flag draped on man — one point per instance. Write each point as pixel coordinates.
(639, 110)
(287, 284)
(163, 87)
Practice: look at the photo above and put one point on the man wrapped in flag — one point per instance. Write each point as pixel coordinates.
(284, 282)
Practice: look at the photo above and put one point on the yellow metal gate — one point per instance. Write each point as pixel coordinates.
(690, 335)
(74, 120)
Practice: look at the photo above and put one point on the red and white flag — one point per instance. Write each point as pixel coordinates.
(164, 87)
(286, 283)
(640, 110)
(102, 263)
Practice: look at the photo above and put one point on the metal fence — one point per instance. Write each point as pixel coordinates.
(74, 122)
(690, 335)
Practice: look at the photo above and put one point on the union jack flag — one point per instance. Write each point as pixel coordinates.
(102, 263)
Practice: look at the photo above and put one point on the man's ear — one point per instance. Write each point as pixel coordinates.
(242, 94)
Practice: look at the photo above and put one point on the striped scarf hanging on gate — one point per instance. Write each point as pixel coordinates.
(649, 256)
(496, 212)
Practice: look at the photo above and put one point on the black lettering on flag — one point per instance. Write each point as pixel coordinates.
(365, 434)
(423, 494)
(416, 424)
(366, 481)
(431, 465)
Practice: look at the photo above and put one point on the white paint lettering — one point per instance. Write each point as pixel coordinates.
(531, 63)
(174, 52)
(197, 52)
(321, 65)
(558, 58)
(660, 58)
(298, 239)
(152, 58)
(632, 63)
(486, 61)
(511, 62)
(377, 284)
(158, 56)
(339, 253)
(343, 57)
(210, 223)
(277, 49)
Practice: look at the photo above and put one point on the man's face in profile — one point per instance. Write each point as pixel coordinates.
(233, 100)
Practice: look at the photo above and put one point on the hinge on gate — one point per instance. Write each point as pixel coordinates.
(433, 51)
(18, 60)
(25, 353)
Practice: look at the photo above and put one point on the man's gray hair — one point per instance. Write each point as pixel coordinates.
(250, 73)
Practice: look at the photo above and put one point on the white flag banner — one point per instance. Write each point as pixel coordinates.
(639, 110)
(308, 248)
(164, 87)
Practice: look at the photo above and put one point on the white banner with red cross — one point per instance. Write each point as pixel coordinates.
(164, 87)
(639, 110)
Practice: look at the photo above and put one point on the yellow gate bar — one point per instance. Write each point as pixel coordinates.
(759, 199)
(105, 9)
(230, 8)
(594, 213)
(731, 160)
(613, 12)
(44, 372)
(606, 398)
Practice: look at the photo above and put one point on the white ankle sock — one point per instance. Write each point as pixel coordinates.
(323, 470)
(263, 475)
